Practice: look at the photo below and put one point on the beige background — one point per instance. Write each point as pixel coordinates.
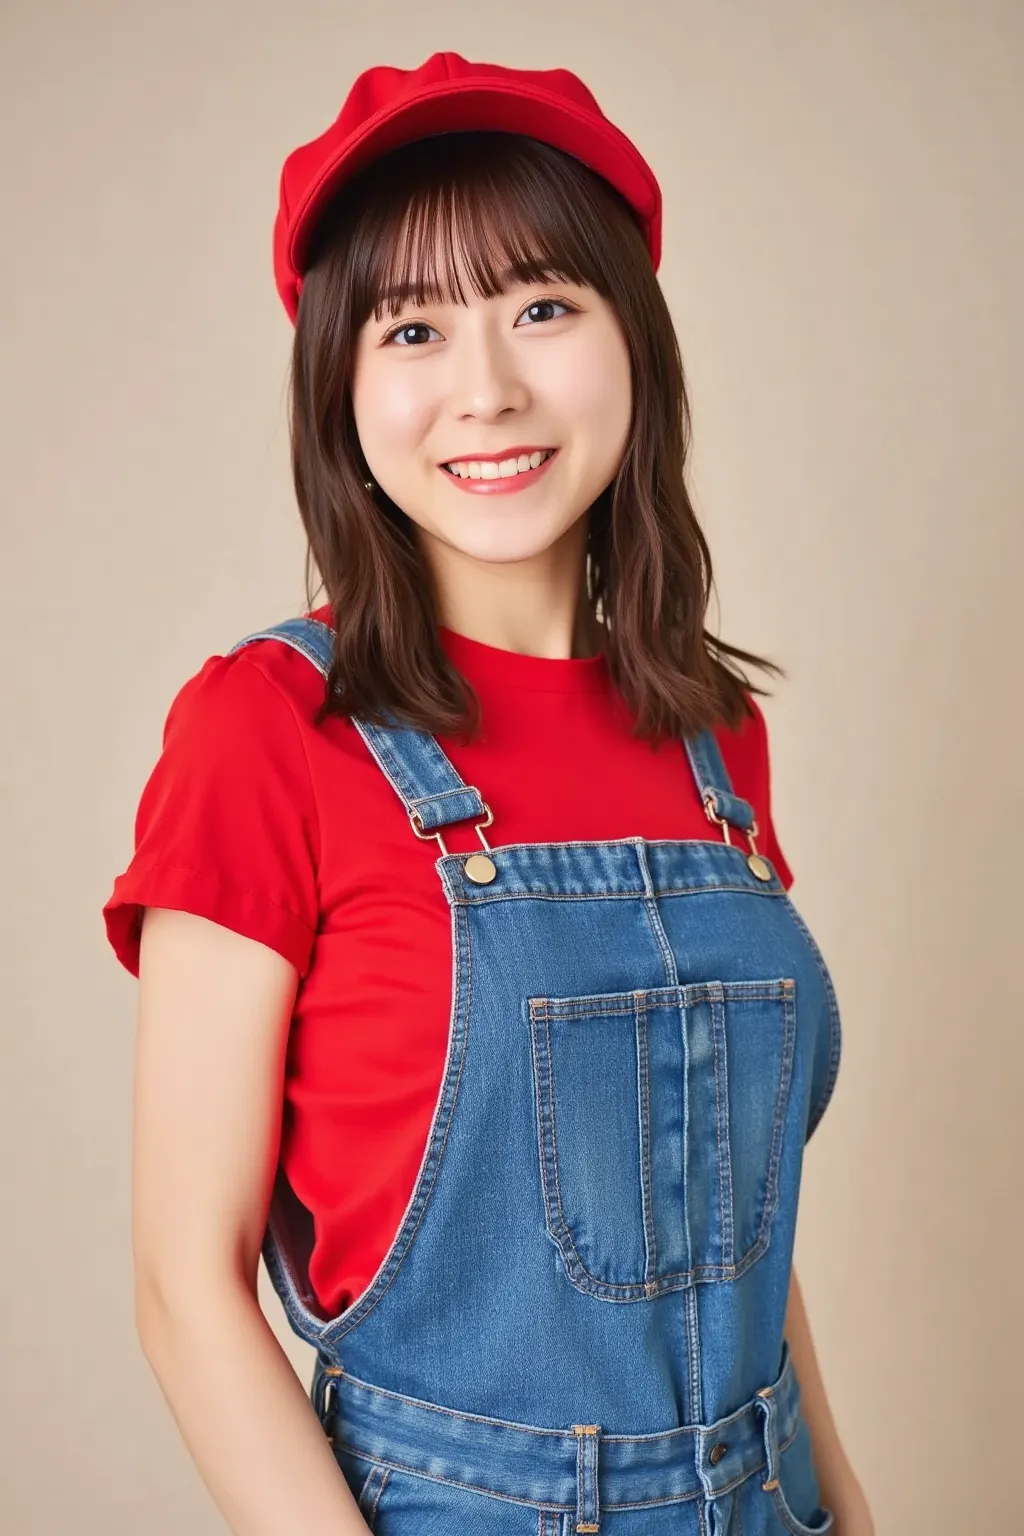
(844, 251)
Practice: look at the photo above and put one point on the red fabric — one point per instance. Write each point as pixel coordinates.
(293, 837)
(386, 107)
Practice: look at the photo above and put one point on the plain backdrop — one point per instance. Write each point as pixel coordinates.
(844, 249)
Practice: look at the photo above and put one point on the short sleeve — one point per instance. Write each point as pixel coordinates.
(226, 825)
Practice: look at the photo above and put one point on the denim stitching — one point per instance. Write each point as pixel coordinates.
(436, 1144)
(466, 897)
(653, 915)
(512, 1498)
(647, 843)
(543, 1010)
(835, 1024)
(384, 759)
(792, 1524)
(623, 1003)
(442, 794)
(644, 1111)
(545, 1112)
(724, 1159)
(559, 1228)
(391, 765)
(451, 1482)
(439, 753)
(381, 746)
(781, 1102)
(372, 1513)
(695, 1386)
(371, 1490)
(542, 1432)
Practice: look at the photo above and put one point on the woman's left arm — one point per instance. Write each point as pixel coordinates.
(840, 1490)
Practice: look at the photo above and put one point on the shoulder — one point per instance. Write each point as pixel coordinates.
(745, 747)
(246, 696)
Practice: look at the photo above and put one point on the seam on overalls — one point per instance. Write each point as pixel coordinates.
(482, 898)
(728, 1233)
(835, 1025)
(623, 1003)
(771, 1203)
(397, 1258)
(691, 1324)
(434, 1477)
(646, 1194)
(783, 991)
(373, 1487)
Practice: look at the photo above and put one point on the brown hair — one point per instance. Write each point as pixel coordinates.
(501, 200)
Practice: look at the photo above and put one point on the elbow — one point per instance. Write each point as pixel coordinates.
(157, 1305)
(172, 1298)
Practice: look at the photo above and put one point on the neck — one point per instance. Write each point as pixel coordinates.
(535, 608)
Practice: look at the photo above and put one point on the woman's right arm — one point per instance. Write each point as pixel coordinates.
(213, 1016)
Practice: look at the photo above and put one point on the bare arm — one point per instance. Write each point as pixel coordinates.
(214, 1010)
(840, 1490)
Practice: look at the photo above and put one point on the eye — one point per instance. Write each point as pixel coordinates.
(548, 304)
(400, 334)
(403, 331)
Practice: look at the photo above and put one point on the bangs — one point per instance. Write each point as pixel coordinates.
(496, 219)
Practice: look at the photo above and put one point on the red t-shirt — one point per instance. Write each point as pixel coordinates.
(292, 836)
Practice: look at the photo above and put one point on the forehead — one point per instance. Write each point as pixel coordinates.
(445, 252)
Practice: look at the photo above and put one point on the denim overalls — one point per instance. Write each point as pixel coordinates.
(579, 1324)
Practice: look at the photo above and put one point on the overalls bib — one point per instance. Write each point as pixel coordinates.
(579, 1324)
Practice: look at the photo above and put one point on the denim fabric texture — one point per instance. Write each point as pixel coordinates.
(579, 1326)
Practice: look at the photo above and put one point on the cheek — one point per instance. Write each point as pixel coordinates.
(390, 411)
(595, 391)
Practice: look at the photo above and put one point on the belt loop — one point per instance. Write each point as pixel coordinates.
(587, 1511)
(765, 1400)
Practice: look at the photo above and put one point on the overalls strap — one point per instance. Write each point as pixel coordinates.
(430, 788)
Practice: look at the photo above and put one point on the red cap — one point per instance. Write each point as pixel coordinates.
(387, 107)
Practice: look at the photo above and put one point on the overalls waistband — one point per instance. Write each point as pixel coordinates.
(580, 1468)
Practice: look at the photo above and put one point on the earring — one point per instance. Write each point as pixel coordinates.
(368, 484)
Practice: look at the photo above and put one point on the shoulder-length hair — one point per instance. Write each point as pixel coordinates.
(498, 200)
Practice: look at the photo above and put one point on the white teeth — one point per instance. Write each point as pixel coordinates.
(473, 469)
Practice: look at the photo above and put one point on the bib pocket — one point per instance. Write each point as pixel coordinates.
(659, 1118)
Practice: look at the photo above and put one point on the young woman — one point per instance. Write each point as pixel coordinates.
(470, 990)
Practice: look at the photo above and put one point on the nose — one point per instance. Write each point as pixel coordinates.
(487, 379)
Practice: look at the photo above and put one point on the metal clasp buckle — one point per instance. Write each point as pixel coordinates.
(421, 832)
(709, 801)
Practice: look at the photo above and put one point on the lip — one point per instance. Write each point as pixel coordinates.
(495, 458)
(500, 487)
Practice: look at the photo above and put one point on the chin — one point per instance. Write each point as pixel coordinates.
(501, 551)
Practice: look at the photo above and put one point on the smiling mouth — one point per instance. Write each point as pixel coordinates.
(502, 469)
